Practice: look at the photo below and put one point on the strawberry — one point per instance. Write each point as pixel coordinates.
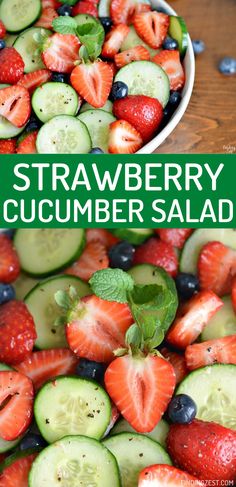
(192, 318)
(93, 82)
(60, 52)
(170, 62)
(96, 328)
(165, 476)
(16, 412)
(85, 7)
(123, 138)
(3, 30)
(113, 40)
(17, 332)
(46, 364)
(206, 450)
(143, 112)
(9, 262)
(28, 144)
(32, 80)
(120, 11)
(179, 363)
(219, 350)
(93, 258)
(15, 105)
(47, 16)
(152, 27)
(12, 66)
(158, 253)
(114, 417)
(141, 388)
(16, 474)
(101, 235)
(138, 8)
(233, 294)
(51, 4)
(174, 236)
(137, 53)
(216, 267)
(8, 146)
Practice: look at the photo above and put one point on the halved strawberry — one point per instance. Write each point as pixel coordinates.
(123, 138)
(114, 417)
(32, 80)
(192, 318)
(18, 472)
(141, 388)
(96, 328)
(100, 234)
(46, 364)
(170, 62)
(16, 400)
(114, 39)
(93, 258)
(9, 261)
(15, 105)
(217, 267)
(51, 4)
(178, 361)
(60, 52)
(217, 351)
(8, 146)
(152, 27)
(165, 476)
(120, 11)
(233, 294)
(12, 65)
(47, 16)
(93, 82)
(85, 7)
(138, 8)
(159, 253)
(137, 53)
(174, 236)
(28, 144)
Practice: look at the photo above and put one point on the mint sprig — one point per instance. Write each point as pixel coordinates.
(112, 285)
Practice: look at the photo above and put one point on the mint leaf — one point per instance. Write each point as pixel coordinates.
(112, 284)
(62, 299)
(142, 294)
(133, 336)
(156, 339)
(91, 35)
(65, 25)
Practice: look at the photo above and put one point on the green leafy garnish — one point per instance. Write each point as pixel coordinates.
(65, 25)
(112, 285)
(69, 2)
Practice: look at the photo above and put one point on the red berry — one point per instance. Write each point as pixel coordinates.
(158, 253)
(9, 262)
(12, 66)
(3, 30)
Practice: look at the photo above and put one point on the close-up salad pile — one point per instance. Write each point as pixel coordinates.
(87, 77)
(118, 357)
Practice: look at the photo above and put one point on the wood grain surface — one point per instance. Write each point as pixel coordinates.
(209, 124)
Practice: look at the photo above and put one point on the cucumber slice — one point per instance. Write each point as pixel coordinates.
(72, 406)
(135, 236)
(2, 86)
(28, 44)
(45, 251)
(23, 285)
(64, 135)
(42, 305)
(194, 244)
(145, 78)
(4, 367)
(108, 107)
(222, 324)
(159, 433)
(98, 125)
(75, 461)
(19, 14)
(53, 99)
(8, 445)
(179, 32)
(10, 39)
(213, 388)
(104, 8)
(132, 40)
(134, 452)
(8, 130)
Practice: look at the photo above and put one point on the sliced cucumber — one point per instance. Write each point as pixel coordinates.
(75, 461)
(4, 367)
(145, 78)
(108, 107)
(52, 99)
(194, 244)
(159, 433)
(179, 32)
(64, 135)
(132, 40)
(28, 46)
(72, 406)
(42, 305)
(134, 452)
(8, 130)
(2, 86)
(23, 285)
(104, 8)
(222, 324)
(19, 14)
(8, 445)
(135, 236)
(47, 250)
(98, 124)
(213, 388)
(10, 39)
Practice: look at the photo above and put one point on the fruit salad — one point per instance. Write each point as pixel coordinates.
(117, 357)
(87, 77)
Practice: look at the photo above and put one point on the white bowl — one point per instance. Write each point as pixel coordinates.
(189, 66)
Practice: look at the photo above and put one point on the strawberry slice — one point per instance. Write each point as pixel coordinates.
(113, 40)
(93, 82)
(47, 16)
(174, 236)
(165, 476)
(9, 262)
(32, 80)
(85, 7)
(60, 52)
(120, 11)
(233, 294)
(170, 62)
(28, 144)
(3, 30)
(219, 350)
(16, 400)
(93, 258)
(152, 27)
(100, 234)
(15, 105)
(217, 267)
(51, 4)
(179, 363)
(123, 138)
(46, 364)
(12, 65)
(137, 53)
(141, 388)
(158, 253)
(17, 473)
(8, 146)
(192, 318)
(96, 328)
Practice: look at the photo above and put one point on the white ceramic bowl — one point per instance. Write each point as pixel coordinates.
(189, 66)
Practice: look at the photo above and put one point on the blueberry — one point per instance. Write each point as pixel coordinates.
(182, 409)
(7, 293)
(33, 124)
(59, 77)
(106, 23)
(90, 369)
(175, 98)
(119, 90)
(121, 255)
(198, 46)
(167, 114)
(2, 44)
(96, 150)
(162, 10)
(64, 10)
(10, 232)
(170, 44)
(228, 66)
(32, 440)
(187, 285)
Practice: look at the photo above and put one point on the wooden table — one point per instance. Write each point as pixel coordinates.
(209, 125)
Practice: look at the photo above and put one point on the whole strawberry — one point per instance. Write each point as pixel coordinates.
(2, 30)
(17, 332)
(159, 253)
(12, 66)
(9, 262)
(206, 450)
